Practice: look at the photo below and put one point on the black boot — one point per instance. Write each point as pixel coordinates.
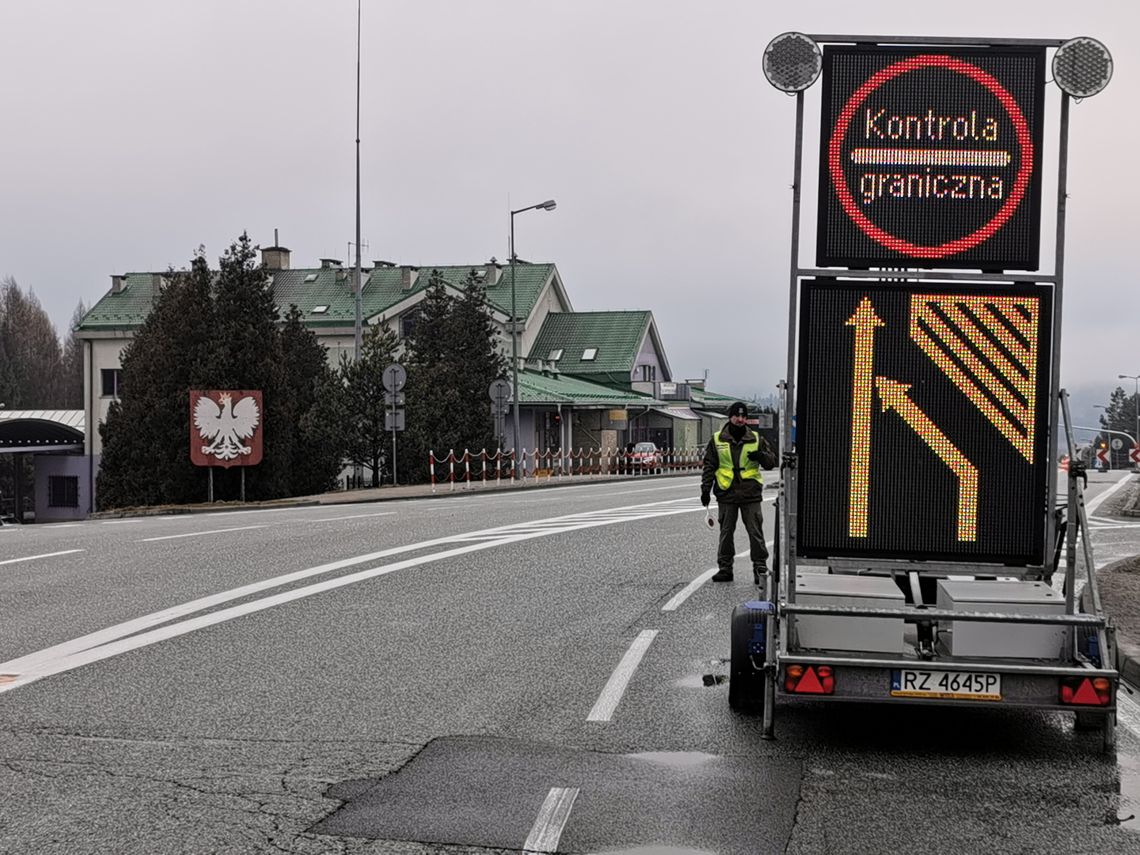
(723, 575)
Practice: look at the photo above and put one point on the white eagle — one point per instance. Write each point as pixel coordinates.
(225, 426)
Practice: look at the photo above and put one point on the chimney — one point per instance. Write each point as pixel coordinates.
(330, 263)
(494, 272)
(275, 257)
(408, 276)
(118, 283)
(378, 263)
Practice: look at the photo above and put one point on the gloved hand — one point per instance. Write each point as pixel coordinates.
(762, 453)
(705, 498)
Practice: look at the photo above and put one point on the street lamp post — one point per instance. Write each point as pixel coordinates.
(1135, 400)
(548, 205)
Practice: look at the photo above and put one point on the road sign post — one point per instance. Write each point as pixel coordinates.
(500, 395)
(395, 377)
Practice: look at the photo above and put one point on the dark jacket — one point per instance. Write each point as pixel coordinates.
(740, 492)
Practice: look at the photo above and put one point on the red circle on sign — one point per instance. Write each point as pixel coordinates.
(1020, 184)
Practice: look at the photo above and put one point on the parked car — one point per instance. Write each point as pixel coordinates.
(645, 458)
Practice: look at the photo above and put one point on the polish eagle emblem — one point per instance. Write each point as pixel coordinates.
(224, 426)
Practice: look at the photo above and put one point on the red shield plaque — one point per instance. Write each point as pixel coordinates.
(226, 427)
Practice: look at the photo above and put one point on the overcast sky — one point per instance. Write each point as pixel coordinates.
(135, 131)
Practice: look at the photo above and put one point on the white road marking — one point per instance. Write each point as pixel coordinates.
(607, 702)
(198, 533)
(102, 644)
(46, 666)
(1090, 507)
(128, 522)
(355, 516)
(45, 555)
(692, 587)
(552, 817)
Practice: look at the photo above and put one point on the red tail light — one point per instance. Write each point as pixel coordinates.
(809, 679)
(1086, 691)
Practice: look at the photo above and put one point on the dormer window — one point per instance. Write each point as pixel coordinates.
(589, 354)
(555, 354)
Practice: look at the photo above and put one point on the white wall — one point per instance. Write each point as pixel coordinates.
(73, 465)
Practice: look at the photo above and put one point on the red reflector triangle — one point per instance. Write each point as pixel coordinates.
(1086, 694)
(809, 683)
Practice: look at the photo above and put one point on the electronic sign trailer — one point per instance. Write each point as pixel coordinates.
(918, 522)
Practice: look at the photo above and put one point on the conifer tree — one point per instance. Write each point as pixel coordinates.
(71, 374)
(30, 361)
(452, 360)
(248, 355)
(317, 416)
(368, 443)
(472, 339)
(146, 453)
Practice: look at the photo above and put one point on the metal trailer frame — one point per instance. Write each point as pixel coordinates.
(1028, 681)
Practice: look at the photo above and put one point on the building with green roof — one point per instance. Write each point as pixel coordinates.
(586, 379)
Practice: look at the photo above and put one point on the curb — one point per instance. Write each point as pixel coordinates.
(334, 498)
(1127, 650)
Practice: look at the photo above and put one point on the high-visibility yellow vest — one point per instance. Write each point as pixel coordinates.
(748, 468)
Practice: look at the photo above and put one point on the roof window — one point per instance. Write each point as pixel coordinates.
(319, 310)
(312, 277)
(589, 354)
(555, 354)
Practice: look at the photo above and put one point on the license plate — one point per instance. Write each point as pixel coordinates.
(946, 685)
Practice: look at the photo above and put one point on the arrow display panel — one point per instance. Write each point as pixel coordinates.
(931, 157)
(922, 421)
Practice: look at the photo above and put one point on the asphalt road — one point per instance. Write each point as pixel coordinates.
(482, 673)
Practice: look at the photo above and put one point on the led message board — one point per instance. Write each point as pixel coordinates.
(931, 157)
(922, 421)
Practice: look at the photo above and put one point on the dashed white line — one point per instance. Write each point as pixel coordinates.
(199, 533)
(45, 555)
(552, 817)
(611, 695)
(692, 587)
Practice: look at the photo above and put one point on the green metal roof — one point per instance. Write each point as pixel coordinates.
(617, 336)
(538, 388)
(310, 288)
(713, 400)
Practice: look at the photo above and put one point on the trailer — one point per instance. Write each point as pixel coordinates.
(923, 553)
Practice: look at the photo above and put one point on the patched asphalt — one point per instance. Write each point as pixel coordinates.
(482, 791)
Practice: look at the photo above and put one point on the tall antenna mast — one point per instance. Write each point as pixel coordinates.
(356, 276)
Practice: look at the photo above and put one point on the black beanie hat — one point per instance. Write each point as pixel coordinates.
(738, 409)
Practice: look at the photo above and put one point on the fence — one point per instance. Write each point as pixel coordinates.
(482, 466)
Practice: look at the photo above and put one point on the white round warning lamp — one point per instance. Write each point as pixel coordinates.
(792, 62)
(1082, 67)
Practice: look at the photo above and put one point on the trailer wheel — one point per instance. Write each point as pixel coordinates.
(745, 682)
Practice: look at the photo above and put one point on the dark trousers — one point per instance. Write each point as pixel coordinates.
(751, 515)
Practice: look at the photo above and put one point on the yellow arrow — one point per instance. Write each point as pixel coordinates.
(865, 321)
(894, 397)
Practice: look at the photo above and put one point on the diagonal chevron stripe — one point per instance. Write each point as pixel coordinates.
(997, 325)
(995, 376)
(1016, 375)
